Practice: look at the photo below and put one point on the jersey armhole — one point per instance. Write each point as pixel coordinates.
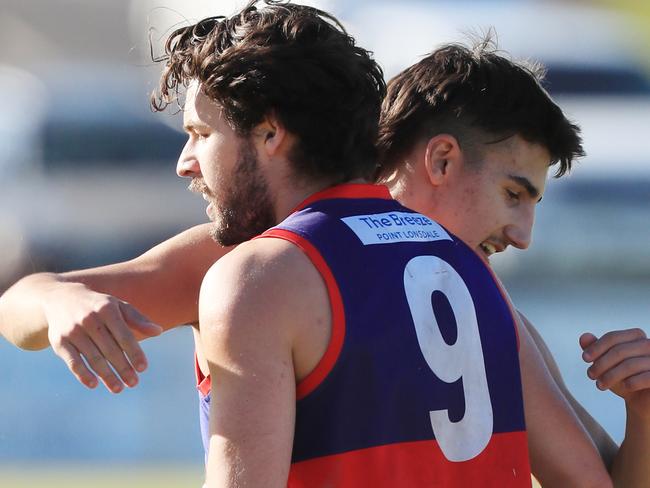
(203, 383)
(327, 362)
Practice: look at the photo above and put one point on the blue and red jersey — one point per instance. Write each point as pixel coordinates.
(420, 385)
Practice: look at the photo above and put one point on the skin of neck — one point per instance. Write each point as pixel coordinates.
(409, 185)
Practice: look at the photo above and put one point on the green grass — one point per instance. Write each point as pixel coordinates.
(108, 476)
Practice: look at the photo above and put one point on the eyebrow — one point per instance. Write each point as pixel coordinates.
(193, 126)
(531, 189)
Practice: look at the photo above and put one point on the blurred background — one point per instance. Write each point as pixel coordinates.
(87, 178)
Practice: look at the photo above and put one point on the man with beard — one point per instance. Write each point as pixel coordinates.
(286, 316)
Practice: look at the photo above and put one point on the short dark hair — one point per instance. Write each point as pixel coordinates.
(292, 61)
(475, 94)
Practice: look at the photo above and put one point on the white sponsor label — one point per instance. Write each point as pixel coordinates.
(386, 228)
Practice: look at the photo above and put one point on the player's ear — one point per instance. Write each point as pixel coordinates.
(441, 157)
(271, 134)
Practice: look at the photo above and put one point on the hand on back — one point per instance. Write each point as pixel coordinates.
(96, 335)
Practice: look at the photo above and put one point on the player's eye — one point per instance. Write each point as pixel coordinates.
(512, 195)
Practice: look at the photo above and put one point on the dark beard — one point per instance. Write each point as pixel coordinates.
(247, 208)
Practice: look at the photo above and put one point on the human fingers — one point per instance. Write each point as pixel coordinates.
(631, 374)
(115, 320)
(637, 382)
(99, 332)
(619, 354)
(96, 360)
(586, 340)
(609, 340)
(138, 322)
(73, 360)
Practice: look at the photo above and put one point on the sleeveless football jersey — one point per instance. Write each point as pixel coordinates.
(420, 385)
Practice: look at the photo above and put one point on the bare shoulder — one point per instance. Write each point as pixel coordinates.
(530, 328)
(540, 345)
(266, 288)
(533, 349)
(262, 269)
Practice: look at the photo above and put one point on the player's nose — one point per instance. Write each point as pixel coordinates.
(188, 166)
(519, 234)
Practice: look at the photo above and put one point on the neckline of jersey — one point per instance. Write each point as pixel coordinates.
(347, 190)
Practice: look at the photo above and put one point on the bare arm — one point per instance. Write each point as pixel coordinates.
(561, 451)
(606, 446)
(251, 305)
(621, 363)
(77, 312)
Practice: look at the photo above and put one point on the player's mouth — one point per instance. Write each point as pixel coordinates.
(489, 248)
(210, 207)
(197, 185)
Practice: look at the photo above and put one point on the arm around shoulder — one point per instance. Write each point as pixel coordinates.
(96, 313)
(163, 284)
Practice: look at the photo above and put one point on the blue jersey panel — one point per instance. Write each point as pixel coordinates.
(381, 388)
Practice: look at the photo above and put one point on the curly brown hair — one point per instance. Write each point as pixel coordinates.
(295, 62)
(479, 96)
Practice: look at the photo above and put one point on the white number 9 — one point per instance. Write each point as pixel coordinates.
(423, 275)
